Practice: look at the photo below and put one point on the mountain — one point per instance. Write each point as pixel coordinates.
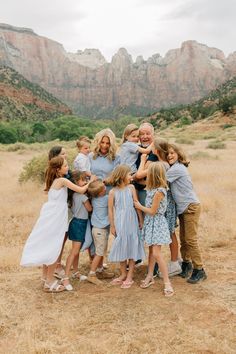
(96, 88)
(222, 99)
(23, 100)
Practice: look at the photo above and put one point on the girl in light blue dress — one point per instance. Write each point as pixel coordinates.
(155, 229)
(125, 224)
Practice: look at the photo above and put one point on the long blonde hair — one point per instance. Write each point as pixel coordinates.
(162, 146)
(127, 131)
(118, 175)
(156, 176)
(181, 155)
(97, 141)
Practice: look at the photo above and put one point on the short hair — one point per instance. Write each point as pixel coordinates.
(181, 155)
(148, 125)
(81, 141)
(156, 176)
(95, 188)
(128, 130)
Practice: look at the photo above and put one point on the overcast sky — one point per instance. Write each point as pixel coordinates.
(143, 27)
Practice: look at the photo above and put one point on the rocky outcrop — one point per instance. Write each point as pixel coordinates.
(91, 86)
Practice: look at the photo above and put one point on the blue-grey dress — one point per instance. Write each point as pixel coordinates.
(155, 228)
(171, 212)
(127, 243)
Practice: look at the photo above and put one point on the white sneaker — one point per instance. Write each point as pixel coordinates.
(174, 268)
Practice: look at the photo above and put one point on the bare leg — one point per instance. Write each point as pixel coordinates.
(74, 252)
(161, 263)
(59, 266)
(50, 271)
(174, 247)
(96, 262)
(130, 273)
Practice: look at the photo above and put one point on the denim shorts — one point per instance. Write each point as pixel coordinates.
(77, 229)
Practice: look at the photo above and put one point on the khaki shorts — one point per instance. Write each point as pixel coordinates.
(100, 238)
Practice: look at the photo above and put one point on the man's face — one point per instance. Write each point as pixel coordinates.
(145, 135)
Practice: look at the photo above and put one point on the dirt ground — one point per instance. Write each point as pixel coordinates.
(106, 319)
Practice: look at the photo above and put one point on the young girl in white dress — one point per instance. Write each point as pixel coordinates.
(46, 239)
(155, 228)
(125, 224)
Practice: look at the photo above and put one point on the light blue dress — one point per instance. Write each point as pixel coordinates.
(155, 228)
(127, 243)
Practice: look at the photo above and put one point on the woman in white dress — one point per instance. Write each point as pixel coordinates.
(46, 239)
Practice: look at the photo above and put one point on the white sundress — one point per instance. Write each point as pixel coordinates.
(44, 244)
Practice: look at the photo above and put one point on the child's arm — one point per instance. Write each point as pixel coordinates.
(66, 183)
(155, 204)
(142, 170)
(146, 150)
(88, 206)
(139, 213)
(111, 211)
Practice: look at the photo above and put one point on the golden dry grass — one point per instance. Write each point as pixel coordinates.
(198, 319)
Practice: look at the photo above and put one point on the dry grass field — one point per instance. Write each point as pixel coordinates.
(198, 319)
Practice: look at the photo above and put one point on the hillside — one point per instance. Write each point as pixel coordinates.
(217, 103)
(22, 100)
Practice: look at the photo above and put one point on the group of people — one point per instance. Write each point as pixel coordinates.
(137, 194)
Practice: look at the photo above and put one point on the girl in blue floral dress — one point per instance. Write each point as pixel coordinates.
(155, 229)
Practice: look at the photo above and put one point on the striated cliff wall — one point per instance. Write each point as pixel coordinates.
(91, 86)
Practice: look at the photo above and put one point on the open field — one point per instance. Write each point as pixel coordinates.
(199, 319)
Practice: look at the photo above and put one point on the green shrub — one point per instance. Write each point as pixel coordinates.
(216, 145)
(7, 135)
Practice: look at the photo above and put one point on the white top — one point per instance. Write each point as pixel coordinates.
(82, 162)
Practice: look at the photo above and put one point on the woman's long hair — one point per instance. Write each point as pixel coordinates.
(162, 146)
(54, 151)
(97, 141)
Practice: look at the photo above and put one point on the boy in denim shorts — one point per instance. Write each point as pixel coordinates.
(100, 230)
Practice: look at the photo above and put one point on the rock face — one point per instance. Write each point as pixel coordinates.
(93, 87)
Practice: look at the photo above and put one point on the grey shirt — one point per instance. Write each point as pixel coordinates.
(99, 216)
(181, 186)
(78, 209)
(129, 154)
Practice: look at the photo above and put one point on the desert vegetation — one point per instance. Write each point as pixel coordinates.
(104, 319)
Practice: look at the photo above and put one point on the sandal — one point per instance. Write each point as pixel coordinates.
(146, 283)
(68, 287)
(55, 287)
(168, 290)
(117, 281)
(59, 273)
(127, 284)
(77, 275)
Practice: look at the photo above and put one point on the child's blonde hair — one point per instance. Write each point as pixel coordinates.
(118, 175)
(127, 131)
(97, 141)
(162, 146)
(156, 176)
(81, 141)
(95, 188)
(181, 155)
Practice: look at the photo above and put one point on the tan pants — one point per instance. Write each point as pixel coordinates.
(188, 223)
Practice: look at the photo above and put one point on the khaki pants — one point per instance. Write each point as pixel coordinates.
(188, 223)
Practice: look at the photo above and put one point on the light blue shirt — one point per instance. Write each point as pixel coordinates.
(181, 187)
(99, 216)
(102, 166)
(129, 154)
(78, 209)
